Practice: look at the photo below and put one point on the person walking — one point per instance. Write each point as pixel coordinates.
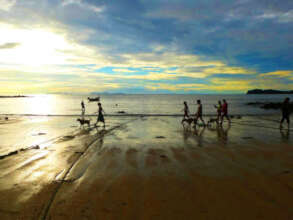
(219, 111)
(225, 112)
(100, 115)
(285, 113)
(198, 114)
(82, 109)
(186, 110)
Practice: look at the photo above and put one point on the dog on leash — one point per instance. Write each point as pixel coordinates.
(84, 121)
(187, 120)
(212, 120)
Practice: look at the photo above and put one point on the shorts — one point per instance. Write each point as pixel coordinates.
(285, 117)
(225, 114)
(198, 115)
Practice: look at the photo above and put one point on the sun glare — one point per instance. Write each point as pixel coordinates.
(41, 104)
(32, 46)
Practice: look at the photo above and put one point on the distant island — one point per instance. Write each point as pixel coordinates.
(13, 96)
(268, 91)
(107, 93)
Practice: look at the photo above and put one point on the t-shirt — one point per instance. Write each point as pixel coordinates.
(199, 110)
(100, 110)
(225, 108)
(186, 110)
(285, 108)
(219, 108)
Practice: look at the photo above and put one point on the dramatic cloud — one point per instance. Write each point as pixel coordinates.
(147, 45)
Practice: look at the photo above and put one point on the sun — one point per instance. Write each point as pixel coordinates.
(33, 46)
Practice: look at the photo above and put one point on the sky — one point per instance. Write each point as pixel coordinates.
(145, 46)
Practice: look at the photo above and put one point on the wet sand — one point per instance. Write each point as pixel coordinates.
(145, 168)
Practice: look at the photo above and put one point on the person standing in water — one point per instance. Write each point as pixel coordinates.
(198, 114)
(219, 111)
(285, 113)
(186, 111)
(100, 115)
(82, 109)
(225, 112)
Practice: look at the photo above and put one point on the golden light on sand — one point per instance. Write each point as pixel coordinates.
(32, 46)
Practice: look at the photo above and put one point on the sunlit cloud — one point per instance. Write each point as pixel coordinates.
(34, 47)
(85, 46)
(82, 4)
(177, 87)
(280, 73)
(230, 85)
(228, 70)
(37, 47)
(216, 86)
(9, 45)
(6, 5)
(166, 60)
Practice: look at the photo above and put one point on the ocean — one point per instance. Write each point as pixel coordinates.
(134, 104)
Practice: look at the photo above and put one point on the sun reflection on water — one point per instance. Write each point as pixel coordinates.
(42, 105)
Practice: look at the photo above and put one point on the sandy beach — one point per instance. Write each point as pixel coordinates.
(145, 168)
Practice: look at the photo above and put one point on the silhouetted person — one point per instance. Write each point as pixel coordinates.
(225, 112)
(285, 113)
(100, 115)
(198, 114)
(219, 111)
(82, 109)
(186, 110)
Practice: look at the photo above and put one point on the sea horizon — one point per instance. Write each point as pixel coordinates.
(135, 104)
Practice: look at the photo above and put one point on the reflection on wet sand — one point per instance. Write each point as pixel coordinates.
(223, 134)
(199, 136)
(196, 134)
(187, 133)
(126, 172)
(285, 134)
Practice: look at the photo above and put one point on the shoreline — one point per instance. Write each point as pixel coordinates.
(16, 96)
(133, 115)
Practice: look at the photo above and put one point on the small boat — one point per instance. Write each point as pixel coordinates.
(96, 99)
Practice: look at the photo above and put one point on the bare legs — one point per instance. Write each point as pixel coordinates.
(82, 113)
(227, 117)
(285, 117)
(196, 119)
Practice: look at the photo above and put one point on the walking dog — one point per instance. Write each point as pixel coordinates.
(212, 120)
(187, 120)
(84, 121)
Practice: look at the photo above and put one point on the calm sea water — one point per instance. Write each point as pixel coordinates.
(134, 104)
